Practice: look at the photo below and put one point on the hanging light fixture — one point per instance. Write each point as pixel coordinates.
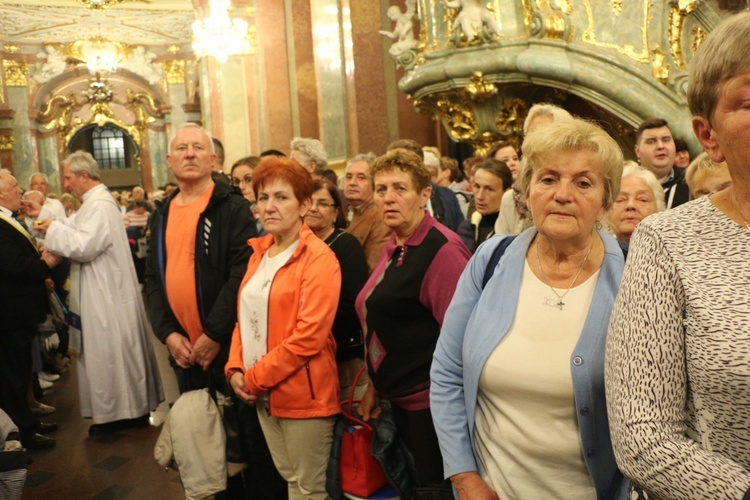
(102, 56)
(219, 35)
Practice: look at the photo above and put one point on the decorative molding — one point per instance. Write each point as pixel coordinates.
(6, 142)
(589, 35)
(659, 67)
(15, 73)
(616, 6)
(699, 36)
(479, 89)
(30, 23)
(10, 48)
(174, 71)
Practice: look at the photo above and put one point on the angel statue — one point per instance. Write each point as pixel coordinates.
(403, 31)
(473, 17)
(54, 64)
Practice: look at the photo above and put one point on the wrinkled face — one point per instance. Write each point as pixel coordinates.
(357, 184)
(731, 124)
(323, 211)
(10, 192)
(399, 201)
(634, 203)
(566, 196)
(656, 151)
(712, 181)
(190, 157)
(75, 184)
(242, 177)
(433, 172)
(508, 156)
(488, 192)
(38, 183)
(279, 210)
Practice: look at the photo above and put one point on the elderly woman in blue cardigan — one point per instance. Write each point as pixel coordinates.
(517, 392)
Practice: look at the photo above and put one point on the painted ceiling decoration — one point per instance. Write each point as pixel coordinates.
(158, 22)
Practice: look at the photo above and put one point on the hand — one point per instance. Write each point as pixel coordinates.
(50, 285)
(237, 381)
(369, 407)
(50, 259)
(471, 486)
(204, 351)
(179, 347)
(42, 225)
(31, 208)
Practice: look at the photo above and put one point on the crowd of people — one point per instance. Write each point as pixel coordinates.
(543, 321)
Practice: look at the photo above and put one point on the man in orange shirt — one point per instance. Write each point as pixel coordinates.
(199, 253)
(198, 256)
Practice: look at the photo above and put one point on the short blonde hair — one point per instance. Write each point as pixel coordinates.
(575, 134)
(555, 112)
(700, 167)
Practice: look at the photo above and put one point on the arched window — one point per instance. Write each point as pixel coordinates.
(109, 146)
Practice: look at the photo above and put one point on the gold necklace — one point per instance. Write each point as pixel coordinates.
(559, 302)
(739, 209)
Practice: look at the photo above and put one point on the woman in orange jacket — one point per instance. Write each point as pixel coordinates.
(283, 355)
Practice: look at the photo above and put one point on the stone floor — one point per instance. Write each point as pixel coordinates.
(109, 467)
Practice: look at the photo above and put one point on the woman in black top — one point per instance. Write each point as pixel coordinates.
(491, 179)
(326, 218)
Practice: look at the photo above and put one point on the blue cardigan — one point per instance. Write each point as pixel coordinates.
(474, 325)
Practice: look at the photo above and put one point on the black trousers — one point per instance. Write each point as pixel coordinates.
(261, 479)
(418, 432)
(15, 375)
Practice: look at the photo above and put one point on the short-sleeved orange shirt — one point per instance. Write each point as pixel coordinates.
(180, 270)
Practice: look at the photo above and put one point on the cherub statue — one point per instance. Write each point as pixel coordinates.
(473, 17)
(53, 66)
(140, 63)
(403, 31)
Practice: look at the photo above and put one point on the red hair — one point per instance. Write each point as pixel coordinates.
(275, 168)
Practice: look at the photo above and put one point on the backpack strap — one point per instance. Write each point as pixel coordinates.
(497, 253)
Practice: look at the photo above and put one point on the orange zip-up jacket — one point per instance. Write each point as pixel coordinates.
(299, 370)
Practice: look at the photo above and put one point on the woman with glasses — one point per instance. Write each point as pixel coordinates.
(327, 219)
(242, 178)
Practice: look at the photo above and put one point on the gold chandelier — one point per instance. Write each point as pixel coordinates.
(103, 4)
(220, 36)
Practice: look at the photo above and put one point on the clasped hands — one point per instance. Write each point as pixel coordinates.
(186, 355)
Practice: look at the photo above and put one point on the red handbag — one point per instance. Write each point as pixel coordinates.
(360, 473)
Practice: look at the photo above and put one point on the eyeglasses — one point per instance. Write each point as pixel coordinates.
(321, 204)
(247, 180)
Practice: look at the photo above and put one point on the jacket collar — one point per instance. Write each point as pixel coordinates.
(261, 244)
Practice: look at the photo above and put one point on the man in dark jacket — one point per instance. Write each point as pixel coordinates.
(198, 257)
(23, 296)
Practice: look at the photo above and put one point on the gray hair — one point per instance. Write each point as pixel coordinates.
(81, 161)
(368, 158)
(195, 126)
(38, 174)
(313, 149)
(724, 54)
(555, 112)
(650, 179)
(33, 193)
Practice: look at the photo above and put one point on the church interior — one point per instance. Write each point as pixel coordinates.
(116, 77)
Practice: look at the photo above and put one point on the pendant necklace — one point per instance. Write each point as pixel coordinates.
(549, 301)
(739, 209)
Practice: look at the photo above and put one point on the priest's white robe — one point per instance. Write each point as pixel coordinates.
(118, 376)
